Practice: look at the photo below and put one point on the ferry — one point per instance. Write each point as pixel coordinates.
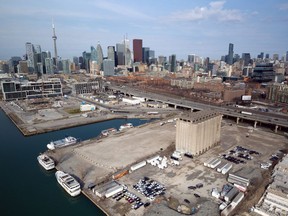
(69, 183)
(61, 143)
(125, 126)
(46, 162)
(108, 131)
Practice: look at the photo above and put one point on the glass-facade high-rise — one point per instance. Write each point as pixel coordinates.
(66, 66)
(31, 57)
(111, 54)
(99, 56)
(93, 54)
(230, 54)
(49, 65)
(108, 67)
(120, 49)
(145, 53)
(173, 63)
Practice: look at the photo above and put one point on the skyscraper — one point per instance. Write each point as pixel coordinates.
(108, 67)
(99, 56)
(173, 63)
(120, 49)
(286, 56)
(54, 37)
(246, 58)
(145, 52)
(49, 66)
(66, 66)
(31, 58)
(137, 50)
(93, 54)
(111, 54)
(230, 54)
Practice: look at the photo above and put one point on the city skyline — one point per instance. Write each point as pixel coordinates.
(204, 28)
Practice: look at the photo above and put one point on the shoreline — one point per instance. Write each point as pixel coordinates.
(24, 128)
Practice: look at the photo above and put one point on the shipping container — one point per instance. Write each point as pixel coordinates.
(226, 168)
(215, 163)
(208, 161)
(113, 191)
(138, 166)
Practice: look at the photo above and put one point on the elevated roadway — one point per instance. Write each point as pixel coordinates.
(278, 121)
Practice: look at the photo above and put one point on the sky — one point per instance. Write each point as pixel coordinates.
(180, 27)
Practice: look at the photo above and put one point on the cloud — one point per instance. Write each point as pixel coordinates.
(122, 10)
(215, 10)
(283, 6)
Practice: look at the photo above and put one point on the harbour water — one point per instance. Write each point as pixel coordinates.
(25, 187)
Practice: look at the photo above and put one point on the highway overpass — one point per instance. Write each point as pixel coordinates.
(277, 121)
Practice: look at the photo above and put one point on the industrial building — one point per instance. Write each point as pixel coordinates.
(14, 90)
(275, 199)
(88, 87)
(198, 132)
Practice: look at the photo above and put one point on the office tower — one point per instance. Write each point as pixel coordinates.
(66, 66)
(81, 62)
(267, 56)
(23, 67)
(191, 58)
(54, 37)
(275, 57)
(13, 62)
(99, 56)
(128, 58)
(236, 57)
(263, 72)
(145, 53)
(161, 60)
(4, 67)
(76, 60)
(172, 60)
(246, 58)
(93, 54)
(108, 67)
(111, 54)
(120, 50)
(151, 56)
(137, 50)
(86, 61)
(261, 56)
(286, 59)
(230, 54)
(30, 52)
(49, 66)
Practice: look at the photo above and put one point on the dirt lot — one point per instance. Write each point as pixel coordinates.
(48, 114)
(96, 160)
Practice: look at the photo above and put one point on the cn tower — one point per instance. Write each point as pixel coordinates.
(54, 37)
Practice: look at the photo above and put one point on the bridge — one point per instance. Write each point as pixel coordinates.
(277, 121)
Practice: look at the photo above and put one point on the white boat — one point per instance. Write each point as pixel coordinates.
(125, 126)
(68, 183)
(108, 131)
(61, 143)
(45, 161)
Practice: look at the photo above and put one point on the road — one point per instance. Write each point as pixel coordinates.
(256, 116)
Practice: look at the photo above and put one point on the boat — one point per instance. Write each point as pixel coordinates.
(125, 126)
(68, 182)
(108, 131)
(46, 162)
(69, 140)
